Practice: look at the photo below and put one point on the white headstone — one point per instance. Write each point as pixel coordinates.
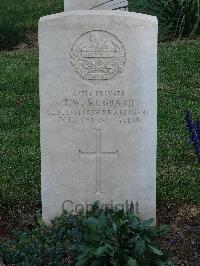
(95, 4)
(98, 93)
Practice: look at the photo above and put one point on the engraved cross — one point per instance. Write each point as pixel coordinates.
(98, 154)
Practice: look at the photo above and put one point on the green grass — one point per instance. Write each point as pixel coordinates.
(19, 131)
(179, 89)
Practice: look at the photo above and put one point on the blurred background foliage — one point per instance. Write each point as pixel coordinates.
(19, 19)
(177, 18)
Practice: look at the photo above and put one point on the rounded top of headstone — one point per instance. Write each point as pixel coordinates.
(135, 19)
(95, 4)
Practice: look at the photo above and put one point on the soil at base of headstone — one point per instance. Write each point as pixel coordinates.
(30, 41)
(182, 243)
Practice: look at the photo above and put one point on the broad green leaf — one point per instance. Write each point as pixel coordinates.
(101, 251)
(114, 227)
(140, 247)
(132, 262)
(156, 251)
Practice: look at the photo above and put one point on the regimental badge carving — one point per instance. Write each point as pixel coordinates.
(98, 55)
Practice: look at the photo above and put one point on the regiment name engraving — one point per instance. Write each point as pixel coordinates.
(101, 107)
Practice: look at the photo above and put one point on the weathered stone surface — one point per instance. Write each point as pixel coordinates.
(98, 93)
(95, 4)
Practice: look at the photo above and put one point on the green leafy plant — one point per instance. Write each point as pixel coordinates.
(118, 238)
(44, 245)
(99, 237)
(177, 18)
